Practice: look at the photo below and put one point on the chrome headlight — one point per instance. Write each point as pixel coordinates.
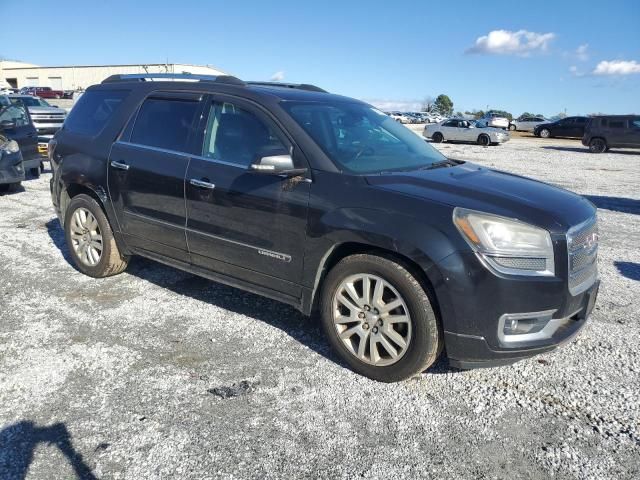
(10, 147)
(507, 245)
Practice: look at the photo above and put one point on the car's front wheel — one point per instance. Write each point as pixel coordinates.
(379, 319)
(545, 133)
(90, 239)
(484, 140)
(597, 145)
(512, 127)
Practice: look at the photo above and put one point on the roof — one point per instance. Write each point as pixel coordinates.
(294, 94)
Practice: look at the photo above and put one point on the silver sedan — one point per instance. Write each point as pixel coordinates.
(464, 131)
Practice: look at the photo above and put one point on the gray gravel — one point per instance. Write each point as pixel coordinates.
(156, 373)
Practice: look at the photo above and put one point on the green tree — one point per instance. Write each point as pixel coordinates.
(443, 104)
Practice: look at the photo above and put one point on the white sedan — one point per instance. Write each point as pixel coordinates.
(464, 131)
(491, 119)
(526, 124)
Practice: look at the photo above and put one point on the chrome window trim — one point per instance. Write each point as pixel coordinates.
(181, 154)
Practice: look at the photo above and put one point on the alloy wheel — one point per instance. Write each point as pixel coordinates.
(371, 319)
(86, 238)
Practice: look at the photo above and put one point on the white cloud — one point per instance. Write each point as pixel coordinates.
(277, 77)
(505, 42)
(582, 52)
(617, 67)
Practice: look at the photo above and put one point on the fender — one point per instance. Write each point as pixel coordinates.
(418, 241)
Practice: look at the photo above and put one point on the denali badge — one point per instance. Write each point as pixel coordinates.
(279, 256)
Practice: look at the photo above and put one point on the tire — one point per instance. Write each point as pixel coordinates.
(597, 145)
(437, 137)
(512, 127)
(9, 187)
(91, 261)
(484, 140)
(57, 97)
(415, 321)
(35, 172)
(545, 133)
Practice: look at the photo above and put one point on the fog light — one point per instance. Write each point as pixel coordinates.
(523, 323)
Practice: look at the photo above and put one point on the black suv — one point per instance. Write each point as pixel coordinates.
(565, 127)
(325, 203)
(618, 131)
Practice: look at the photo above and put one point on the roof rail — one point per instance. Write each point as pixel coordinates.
(146, 77)
(299, 86)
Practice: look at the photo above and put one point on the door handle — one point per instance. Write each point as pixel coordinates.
(120, 165)
(202, 184)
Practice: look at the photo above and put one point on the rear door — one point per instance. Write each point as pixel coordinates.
(147, 167)
(579, 125)
(239, 223)
(633, 132)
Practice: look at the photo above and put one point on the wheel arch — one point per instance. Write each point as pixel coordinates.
(346, 249)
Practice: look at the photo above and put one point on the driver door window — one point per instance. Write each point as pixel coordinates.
(237, 136)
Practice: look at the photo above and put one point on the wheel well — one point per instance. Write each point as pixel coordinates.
(74, 189)
(353, 248)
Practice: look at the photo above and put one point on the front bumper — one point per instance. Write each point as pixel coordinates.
(11, 168)
(472, 301)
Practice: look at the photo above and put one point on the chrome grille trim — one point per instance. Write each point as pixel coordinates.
(582, 249)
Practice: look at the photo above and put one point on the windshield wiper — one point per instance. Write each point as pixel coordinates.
(440, 164)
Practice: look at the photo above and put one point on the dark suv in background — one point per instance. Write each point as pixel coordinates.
(607, 131)
(327, 204)
(565, 127)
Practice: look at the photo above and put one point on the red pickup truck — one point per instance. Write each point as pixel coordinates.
(42, 92)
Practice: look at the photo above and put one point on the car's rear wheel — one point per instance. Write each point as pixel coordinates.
(379, 319)
(90, 239)
(512, 127)
(437, 137)
(484, 140)
(545, 133)
(597, 145)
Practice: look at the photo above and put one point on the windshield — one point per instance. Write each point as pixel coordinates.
(32, 101)
(362, 139)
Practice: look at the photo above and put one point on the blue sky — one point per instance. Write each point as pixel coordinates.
(543, 56)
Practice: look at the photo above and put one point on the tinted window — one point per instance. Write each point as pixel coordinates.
(635, 123)
(237, 136)
(450, 123)
(581, 121)
(164, 123)
(93, 111)
(616, 124)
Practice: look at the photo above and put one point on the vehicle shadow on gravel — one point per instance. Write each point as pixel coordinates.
(303, 329)
(19, 441)
(586, 150)
(615, 204)
(629, 269)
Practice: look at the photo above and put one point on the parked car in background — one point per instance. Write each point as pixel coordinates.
(327, 204)
(399, 117)
(612, 131)
(46, 118)
(457, 130)
(42, 92)
(526, 124)
(565, 127)
(491, 119)
(16, 124)
(11, 167)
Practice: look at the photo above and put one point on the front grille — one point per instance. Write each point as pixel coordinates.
(582, 247)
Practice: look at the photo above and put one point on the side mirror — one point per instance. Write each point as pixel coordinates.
(276, 163)
(7, 125)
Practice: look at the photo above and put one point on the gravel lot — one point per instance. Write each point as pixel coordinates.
(156, 373)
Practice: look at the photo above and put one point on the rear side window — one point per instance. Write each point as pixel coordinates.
(93, 111)
(635, 123)
(616, 124)
(165, 123)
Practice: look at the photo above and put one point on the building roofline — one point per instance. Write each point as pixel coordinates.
(117, 65)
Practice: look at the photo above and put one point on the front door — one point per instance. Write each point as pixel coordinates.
(239, 223)
(147, 170)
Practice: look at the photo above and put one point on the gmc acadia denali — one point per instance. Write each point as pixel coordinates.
(327, 204)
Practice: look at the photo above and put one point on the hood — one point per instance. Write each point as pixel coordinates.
(474, 187)
(47, 110)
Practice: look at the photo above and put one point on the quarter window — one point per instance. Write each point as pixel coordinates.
(165, 123)
(93, 111)
(238, 136)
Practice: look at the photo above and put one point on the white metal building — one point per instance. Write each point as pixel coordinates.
(19, 74)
